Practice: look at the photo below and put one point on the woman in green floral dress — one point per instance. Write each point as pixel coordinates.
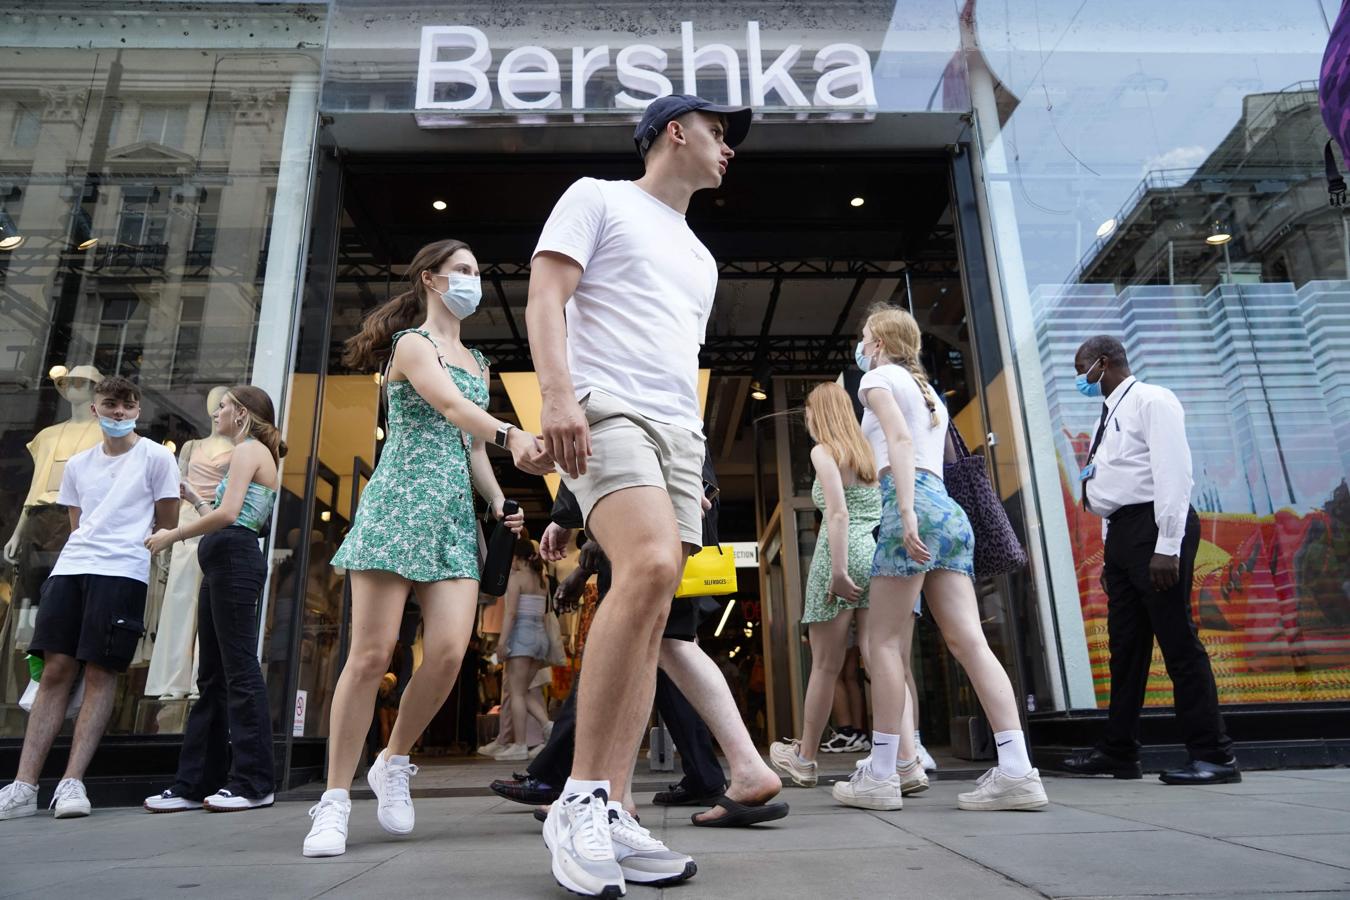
(845, 491)
(414, 529)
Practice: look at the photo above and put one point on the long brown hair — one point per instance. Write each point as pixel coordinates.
(369, 348)
(899, 335)
(834, 427)
(525, 551)
(262, 417)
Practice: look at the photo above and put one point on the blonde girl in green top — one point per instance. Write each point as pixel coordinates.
(846, 492)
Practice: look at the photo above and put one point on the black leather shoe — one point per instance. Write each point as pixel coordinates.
(527, 790)
(1197, 771)
(679, 795)
(1095, 762)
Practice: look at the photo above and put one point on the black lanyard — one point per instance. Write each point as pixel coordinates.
(1101, 432)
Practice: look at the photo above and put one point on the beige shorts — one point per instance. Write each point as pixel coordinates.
(628, 450)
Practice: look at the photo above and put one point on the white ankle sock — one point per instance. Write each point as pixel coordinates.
(918, 738)
(884, 749)
(580, 786)
(337, 794)
(1012, 753)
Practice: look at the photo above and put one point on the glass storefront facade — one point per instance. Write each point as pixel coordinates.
(172, 209)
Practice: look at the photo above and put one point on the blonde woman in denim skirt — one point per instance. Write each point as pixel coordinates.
(925, 544)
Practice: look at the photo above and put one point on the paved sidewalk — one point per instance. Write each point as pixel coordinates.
(1276, 834)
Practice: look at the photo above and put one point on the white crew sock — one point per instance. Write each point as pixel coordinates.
(337, 794)
(884, 749)
(1012, 753)
(580, 786)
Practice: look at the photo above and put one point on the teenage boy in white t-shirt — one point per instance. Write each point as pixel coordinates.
(93, 604)
(620, 294)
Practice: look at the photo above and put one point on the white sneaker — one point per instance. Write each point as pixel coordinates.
(226, 800)
(18, 799)
(577, 834)
(642, 858)
(786, 758)
(512, 752)
(867, 792)
(169, 801)
(490, 748)
(70, 801)
(328, 835)
(537, 749)
(925, 758)
(913, 779)
(388, 777)
(995, 791)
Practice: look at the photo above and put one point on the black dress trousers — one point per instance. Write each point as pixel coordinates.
(1136, 614)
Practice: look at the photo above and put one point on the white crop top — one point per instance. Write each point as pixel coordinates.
(530, 605)
(929, 441)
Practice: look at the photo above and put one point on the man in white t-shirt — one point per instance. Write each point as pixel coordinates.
(620, 295)
(92, 605)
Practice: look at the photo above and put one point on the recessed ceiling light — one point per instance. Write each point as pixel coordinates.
(439, 205)
(87, 243)
(856, 201)
(13, 242)
(1107, 228)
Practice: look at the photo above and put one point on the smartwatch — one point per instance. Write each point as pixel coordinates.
(503, 433)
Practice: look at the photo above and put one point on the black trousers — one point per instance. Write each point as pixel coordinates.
(702, 772)
(228, 742)
(1136, 614)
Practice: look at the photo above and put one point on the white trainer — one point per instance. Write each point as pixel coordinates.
(512, 753)
(577, 835)
(913, 779)
(786, 758)
(328, 835)
(490, 748)
(70, 801)
(169, 801)
(642, 858)
(997, 791)
(388, 777)
(925, 758)
(226, 800)
(17, 800)
(866, 792)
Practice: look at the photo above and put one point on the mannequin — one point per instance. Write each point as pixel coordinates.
(173, 666)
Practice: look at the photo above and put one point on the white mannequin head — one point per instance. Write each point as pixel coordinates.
(77, 387)
(213, 403)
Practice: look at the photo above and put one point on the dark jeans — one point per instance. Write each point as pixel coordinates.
(1136, 613)
(229, 733)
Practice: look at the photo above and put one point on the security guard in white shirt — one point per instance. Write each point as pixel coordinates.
(1138, 479)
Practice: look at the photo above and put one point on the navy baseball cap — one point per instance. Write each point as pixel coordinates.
(664, 110)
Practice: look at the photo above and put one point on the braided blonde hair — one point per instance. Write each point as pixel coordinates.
(898, 333)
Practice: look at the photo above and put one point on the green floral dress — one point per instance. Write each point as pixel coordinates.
(864, 514)
(416, 516)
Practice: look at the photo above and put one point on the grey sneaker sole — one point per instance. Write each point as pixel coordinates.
(637, 876)
(912, 788)
(606, 891)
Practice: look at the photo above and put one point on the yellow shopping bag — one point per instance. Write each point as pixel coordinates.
(711, 572)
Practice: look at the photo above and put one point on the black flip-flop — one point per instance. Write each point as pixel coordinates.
(741, 815)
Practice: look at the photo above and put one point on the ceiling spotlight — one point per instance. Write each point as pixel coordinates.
(325, 516)
(439, 205)
(10, 239)
(86, 243)
(1218, 235)
(171, 446)
(379, 379)
(856, 201)
(379, 433)
(56, 372)
(1107, 228)
(757, 391)
(12, 242)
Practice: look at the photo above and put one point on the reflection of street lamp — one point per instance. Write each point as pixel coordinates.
(1220, 236)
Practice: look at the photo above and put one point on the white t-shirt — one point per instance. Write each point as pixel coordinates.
(929, 441)
(116, 497)
(640, 311)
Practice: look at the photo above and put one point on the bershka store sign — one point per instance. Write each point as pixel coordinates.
(455, 73)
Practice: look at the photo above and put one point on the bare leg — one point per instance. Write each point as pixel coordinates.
(518, 683)
(701, 682)
(448, 609)
(47, 715)
(377, 611)
(890, 628)
(99, 687)
(637, 529)
(827, 661)
(534, 698)
(957, 613)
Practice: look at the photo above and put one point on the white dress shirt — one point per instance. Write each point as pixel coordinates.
(1143, 457)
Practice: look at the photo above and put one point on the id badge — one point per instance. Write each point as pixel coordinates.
(1088, 471)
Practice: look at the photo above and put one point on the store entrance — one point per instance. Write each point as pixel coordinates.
(805, 243)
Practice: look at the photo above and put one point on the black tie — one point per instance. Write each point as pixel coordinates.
(1092, 451)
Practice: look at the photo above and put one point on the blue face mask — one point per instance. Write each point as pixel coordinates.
(1089, 388)
(861, 358)
(462, 295)
(114, 428)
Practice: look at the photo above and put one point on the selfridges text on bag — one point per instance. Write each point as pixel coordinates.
(711, 572)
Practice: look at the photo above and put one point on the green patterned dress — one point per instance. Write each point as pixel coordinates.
(416, 516)
(864, 514)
